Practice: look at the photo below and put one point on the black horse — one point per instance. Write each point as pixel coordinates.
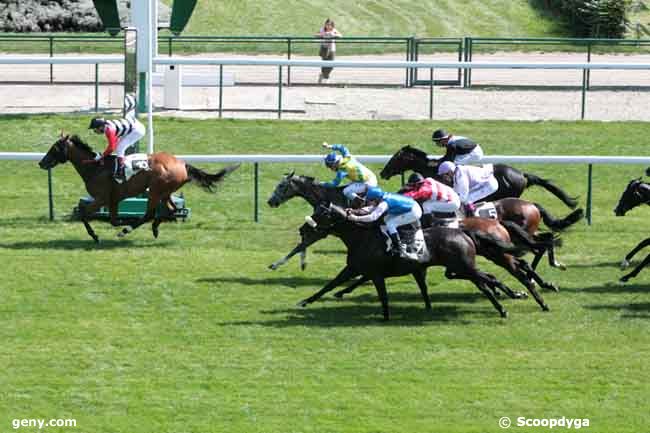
(636, 193)
(367, 256)
(512, 182)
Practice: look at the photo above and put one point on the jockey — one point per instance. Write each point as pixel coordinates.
(346, 165)
(398, 210)
(437, 199)
(470, 183)
(120, 134)
(460, 150)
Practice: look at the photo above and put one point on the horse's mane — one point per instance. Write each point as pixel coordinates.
(78, 142)
(414, 150)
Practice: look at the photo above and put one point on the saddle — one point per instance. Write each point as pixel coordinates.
(485, 210)
(135, 163)
(413, 239)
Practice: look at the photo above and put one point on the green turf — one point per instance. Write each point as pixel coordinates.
(191, 332)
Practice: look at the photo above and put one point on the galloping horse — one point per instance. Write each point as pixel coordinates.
(636, 193)
(367, 256)
(526, 214)
(512, 182)
(166, 175)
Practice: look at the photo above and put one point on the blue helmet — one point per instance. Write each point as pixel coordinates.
(374, 192)
(332, 159)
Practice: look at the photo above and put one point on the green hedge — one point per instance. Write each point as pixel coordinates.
(593, 18)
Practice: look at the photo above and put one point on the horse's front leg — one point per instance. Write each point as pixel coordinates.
(303, 259)
(626, 261)
(300, 248)
(552, 261)
(345, 274)
(636, 270)
(85, 212)
(152, 203)
(351, 287)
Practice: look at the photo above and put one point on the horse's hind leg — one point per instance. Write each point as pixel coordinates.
(352, 287)
(636, 270)
(421, 278)
(552, 261)
(380, 285)
(483, 281)
(626, 261)
(152, 203)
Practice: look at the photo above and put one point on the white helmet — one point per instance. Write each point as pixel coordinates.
(446, 167)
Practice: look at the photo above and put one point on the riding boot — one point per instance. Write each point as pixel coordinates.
(118, 174)
(396, 245)
(427, 220)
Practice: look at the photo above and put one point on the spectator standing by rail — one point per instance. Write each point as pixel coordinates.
(327, 46)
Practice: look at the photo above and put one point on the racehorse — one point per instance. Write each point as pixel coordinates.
(454, 249)
(524, 213)
(166, 174)
(636, 193)
(512, 182)
(315, 194)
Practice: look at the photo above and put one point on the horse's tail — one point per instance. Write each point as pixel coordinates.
(531, 179)
(206, 180)
(521, 237)
(487, 243)
(558, 225)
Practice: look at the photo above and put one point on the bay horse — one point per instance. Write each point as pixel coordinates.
(512, 182)
(524, 213)
(166, 175)
(636, 193)
(454, 249)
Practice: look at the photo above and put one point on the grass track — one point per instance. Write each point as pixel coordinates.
(191, 332)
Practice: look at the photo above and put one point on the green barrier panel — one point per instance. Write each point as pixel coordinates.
(181, 13)
(108, 13)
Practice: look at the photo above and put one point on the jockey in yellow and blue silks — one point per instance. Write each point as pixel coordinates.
(346, 165)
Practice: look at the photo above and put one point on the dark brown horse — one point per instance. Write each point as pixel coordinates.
(165, 176)
(512, 182)
(636, 193)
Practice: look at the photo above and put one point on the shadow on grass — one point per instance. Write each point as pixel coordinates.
(611, 287)
(78, 244)
(292, 282)
(443, 297)
(596, 265)
(634, 310)
(362, 315)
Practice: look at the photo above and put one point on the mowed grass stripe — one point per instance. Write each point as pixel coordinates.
(191, 332)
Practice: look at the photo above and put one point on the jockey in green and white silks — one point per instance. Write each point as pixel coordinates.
(346, 165)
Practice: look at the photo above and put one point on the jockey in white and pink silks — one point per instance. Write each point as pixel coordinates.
(120, 134)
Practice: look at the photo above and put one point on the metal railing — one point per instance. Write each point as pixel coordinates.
(590, 161)
(580, 44)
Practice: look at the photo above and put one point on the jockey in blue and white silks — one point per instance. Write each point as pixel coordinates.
(346, 165)
(471, 183)
(397, 210)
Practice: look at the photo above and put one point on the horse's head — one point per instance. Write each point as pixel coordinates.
(283, 191)
(635, 193)
(407, 158)
(58, 153)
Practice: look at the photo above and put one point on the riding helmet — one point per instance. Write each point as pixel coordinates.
(374, 192)
(446, 167)
(415, 178)
(332, 159)
(97, 122)
(439, 134)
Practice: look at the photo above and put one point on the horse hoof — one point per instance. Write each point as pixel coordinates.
(545, 308)
(625, 264)
(273, 266)
(338, 295)
(554, 287)
(303, 266)
(302, 303)
(125, 231)
(521, 295)
(504, 314)
(624, 279)
(561, 266)
(155, 234)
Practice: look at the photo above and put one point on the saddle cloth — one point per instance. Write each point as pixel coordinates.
(135, 163)
(486, 210)
(416, 247)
